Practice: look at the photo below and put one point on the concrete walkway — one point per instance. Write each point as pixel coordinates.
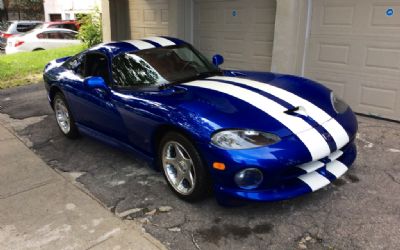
(39, 209)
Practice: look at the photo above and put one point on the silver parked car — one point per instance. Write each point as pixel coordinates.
(12, 28)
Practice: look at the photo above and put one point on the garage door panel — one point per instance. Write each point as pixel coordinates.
(336, 82)
(242, 31)
(332, 16)
(334, 53)
(347, 54)
(357, 17)
(380, 18)
(365, 94)
(264, 16)
(331, 53)
(383, 58)
(148, 18)
(386, 101)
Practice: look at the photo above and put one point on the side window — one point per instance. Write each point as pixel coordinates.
(76, 64)
(42, 36)
(25, 27)
(97, 65)
(54, 35)
(69, 26)
(69, 35)
(130, 71)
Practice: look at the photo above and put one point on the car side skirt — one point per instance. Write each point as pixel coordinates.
(115, 143)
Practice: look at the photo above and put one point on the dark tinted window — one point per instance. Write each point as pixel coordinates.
(76, 64)
(69, 35)
(53, 26)
(42, 36)
(96, 65)
(54, 35)
(24, 27)
(69, 26)
(55, 17)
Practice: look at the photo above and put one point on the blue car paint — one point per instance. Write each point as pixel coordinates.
(129, 120)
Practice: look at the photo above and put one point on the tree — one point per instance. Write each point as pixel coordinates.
(24, 9)
(90, 32)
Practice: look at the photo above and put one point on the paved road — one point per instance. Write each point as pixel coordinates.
(359, 211)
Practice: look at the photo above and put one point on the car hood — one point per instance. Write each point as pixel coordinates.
(279, 104)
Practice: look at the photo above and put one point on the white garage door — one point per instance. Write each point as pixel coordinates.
(148, 18)
(241, 30)
(354, 49)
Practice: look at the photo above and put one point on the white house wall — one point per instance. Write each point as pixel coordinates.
(71, 7)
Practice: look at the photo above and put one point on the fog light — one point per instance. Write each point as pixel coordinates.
(249, 178)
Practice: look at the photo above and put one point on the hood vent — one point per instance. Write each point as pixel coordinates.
(299, 110)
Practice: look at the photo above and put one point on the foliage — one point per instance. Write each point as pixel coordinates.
(90, 32)
(27, 67)
(25, 9)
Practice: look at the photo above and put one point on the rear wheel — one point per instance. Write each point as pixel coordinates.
(64, 118)
(183, 168)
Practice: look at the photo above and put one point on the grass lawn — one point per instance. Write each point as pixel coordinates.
(27, 67)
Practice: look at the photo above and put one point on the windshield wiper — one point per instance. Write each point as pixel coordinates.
(198, 76)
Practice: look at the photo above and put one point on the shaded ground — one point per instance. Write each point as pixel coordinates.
(359, 211)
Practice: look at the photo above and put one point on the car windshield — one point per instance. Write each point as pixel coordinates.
(40, 26)
(160, 66)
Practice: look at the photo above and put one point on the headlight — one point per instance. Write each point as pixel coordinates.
(338, 104)
(243, 139)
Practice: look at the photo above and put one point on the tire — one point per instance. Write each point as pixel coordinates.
(64, 118)
(184, 172)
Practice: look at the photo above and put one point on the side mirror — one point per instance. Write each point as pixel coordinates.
(95, 82)
(217, 60)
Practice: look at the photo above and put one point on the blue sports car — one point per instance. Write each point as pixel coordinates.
(244, 135)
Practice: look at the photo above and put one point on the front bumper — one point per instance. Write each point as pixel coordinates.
(299, 180)
(11, 50)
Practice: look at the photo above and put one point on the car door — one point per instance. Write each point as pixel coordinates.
(49, 40)
(70, 37)
(137, 102)
(94, 107)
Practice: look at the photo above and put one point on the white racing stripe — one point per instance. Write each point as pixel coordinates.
(337, 132)
(311, 138)
(321, 117)
(311, 166)
(160, 40)
(336, 168)
(314, 180)
(335, 155)
(141, 44)
(314, 165)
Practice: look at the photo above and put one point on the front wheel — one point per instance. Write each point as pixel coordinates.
(183, 168)
(64, 117)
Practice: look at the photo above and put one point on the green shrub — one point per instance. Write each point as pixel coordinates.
(90, 32)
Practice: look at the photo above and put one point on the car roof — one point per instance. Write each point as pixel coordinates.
(62, 22)
(54, 29)
(24, 21)
(115, 48)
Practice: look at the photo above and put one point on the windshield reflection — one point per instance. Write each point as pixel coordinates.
(159, 66)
